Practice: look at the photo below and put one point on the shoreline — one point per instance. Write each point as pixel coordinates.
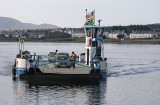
(106, 41)
(134, 41)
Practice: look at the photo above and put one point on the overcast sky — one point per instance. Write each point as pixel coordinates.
(71, 13)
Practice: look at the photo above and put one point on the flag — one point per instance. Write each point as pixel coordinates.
(90, 18)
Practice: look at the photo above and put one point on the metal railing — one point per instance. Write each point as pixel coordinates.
(42, 60)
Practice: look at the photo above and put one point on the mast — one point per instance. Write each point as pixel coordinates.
(21, 45)
(94, 17)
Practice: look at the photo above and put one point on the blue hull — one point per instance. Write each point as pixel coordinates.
(103, 73)
(20, 71)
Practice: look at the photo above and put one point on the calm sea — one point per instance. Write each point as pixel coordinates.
(133, 78)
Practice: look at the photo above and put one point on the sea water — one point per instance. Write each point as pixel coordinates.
(133, 77)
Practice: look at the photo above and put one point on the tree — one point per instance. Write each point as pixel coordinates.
(121, 36)
(2, 36)
(158, 35)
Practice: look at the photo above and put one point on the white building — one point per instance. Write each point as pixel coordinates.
(114, 34)
(106, 34)
(76, 32)
(6, 35)
(141, 34)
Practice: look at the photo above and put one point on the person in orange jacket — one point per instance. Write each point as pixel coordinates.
(73, 58)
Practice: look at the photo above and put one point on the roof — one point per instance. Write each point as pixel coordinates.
(95, 26)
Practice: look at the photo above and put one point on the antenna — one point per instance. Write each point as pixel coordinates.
(86, 12)
(99, 21)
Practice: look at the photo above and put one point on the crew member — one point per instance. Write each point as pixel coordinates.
(73, 58)
(56, 51)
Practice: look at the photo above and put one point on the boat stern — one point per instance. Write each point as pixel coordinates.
(21, 66)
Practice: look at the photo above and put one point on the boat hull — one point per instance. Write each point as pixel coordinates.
(51, 79)
(20, 71)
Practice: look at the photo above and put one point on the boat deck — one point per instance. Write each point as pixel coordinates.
(47, 67)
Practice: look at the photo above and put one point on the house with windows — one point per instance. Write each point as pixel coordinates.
(115, 33)
(141, 34)
(76, 32)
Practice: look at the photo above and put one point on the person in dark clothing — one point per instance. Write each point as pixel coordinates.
(56, 51)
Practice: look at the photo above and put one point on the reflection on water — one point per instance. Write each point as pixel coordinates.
(70, 93)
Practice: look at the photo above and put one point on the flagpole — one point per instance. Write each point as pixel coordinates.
(86, 11)
(86, 14)
(86, 17)
(94, 17)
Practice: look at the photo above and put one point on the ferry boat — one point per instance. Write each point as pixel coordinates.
(90, 66)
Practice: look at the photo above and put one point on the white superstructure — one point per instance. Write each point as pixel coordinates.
(94, 48)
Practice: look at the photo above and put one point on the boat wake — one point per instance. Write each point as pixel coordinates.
(132, 71)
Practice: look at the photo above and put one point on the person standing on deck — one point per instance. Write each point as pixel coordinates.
(73, 59)
(56, 51)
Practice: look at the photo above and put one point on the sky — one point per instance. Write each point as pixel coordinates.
(71, 13)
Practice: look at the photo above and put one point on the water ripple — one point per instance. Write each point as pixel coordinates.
(133, 71)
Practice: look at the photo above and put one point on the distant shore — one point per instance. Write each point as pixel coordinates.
(133, 41)
(79, 40)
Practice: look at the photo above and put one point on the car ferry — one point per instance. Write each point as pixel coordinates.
(91, 65)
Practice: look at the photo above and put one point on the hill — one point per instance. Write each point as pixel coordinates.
(7, 23)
